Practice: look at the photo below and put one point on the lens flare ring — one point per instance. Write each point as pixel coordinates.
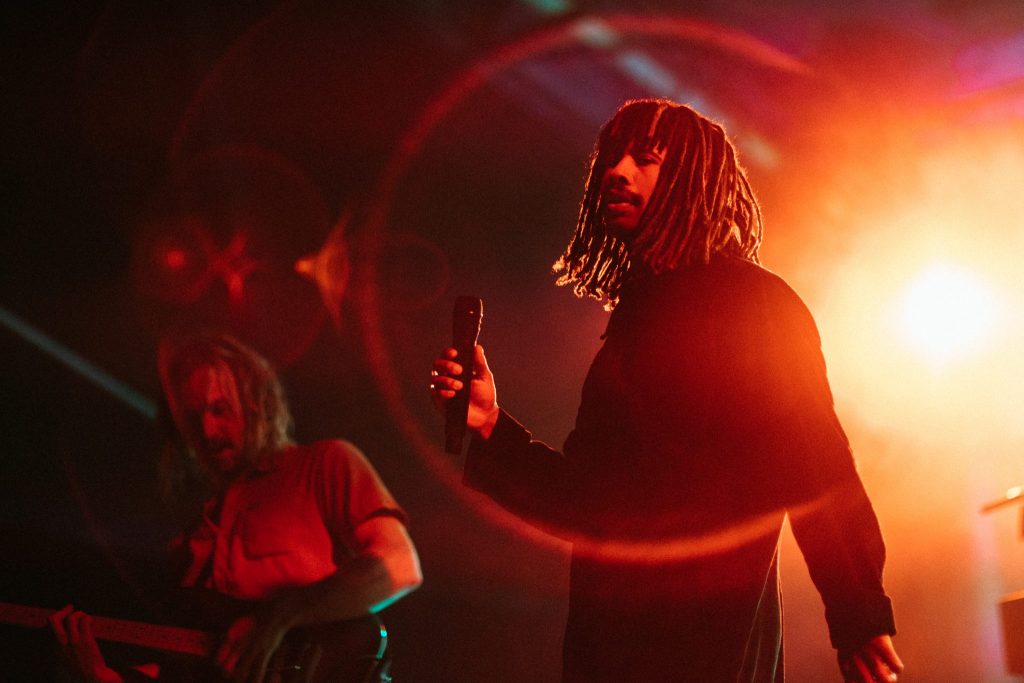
(577, 33)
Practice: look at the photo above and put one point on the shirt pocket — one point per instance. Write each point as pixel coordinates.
(268, 530)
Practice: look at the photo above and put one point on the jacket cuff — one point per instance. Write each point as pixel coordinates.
(483, 455)
(851, 626)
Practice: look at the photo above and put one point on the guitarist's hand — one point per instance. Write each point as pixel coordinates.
(248, 646)
(73, 630)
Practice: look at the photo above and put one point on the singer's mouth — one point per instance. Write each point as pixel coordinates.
(620, 197)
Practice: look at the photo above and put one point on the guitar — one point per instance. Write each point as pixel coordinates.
(350, 651)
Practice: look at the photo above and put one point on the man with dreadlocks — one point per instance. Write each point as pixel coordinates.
(308, 534)
(705, 418)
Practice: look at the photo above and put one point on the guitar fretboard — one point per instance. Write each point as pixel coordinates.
(168, 638)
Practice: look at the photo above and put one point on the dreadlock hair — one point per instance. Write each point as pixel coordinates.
(702, 203)
(267, 420)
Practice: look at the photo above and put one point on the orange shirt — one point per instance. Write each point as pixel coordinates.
(289, 522)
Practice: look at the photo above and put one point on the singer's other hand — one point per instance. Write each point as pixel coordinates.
(483, 397)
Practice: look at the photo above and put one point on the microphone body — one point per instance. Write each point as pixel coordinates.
(466, 318)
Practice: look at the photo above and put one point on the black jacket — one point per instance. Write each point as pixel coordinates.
(705, 417)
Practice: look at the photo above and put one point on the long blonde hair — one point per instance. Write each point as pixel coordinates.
(266, 417)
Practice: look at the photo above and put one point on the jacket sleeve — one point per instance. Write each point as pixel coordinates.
(525, 476)
(831, 516)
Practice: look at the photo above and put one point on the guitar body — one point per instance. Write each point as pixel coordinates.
(345, 651)
(350, 651)
(340, 652)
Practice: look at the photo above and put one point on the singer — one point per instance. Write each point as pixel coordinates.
(705, 418)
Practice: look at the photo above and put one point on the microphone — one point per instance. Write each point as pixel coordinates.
(466, 318)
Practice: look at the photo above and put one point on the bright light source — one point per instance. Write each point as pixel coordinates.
(922, 317)
(948, 312)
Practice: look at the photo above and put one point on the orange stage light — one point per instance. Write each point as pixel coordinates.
(949, 312)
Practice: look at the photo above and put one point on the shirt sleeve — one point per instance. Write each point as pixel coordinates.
(351, 492)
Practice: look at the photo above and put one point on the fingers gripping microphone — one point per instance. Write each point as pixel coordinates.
(466, 319)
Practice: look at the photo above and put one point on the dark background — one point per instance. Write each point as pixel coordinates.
(166, 165)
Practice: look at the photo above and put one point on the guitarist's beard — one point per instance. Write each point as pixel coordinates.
(222, 462)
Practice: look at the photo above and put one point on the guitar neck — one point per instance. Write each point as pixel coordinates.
(167, 638)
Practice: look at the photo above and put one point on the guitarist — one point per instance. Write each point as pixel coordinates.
(308, 531)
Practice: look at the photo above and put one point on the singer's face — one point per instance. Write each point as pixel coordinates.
(627, 186)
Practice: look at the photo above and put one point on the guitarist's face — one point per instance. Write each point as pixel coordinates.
(214, 424)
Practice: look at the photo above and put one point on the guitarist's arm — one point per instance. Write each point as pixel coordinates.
(386, 568)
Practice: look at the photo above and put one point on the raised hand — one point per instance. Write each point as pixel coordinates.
(483, 403)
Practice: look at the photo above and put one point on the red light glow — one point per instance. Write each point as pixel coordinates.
(175, 259)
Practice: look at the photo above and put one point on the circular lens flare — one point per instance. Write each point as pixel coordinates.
(948, 312)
